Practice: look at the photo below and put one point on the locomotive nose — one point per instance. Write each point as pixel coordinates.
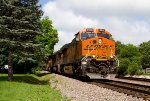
(98, 48)
(102, 50)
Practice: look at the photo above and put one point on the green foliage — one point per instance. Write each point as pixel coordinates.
(129, 51)
(133, 68)
(129, 56)
(36, 70)
(122, 69)
(145, 51)
(49, 37)
(3, 56)
(148, 74)
(119, 47)
(19, 26)
(22, 32)
(23, 66)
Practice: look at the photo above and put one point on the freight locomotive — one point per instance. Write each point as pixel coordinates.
(90, 54)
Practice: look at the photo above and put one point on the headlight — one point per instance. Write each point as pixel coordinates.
(84, 63)
(89, 29)
(111, 56)
(100, 41)
(93, 56)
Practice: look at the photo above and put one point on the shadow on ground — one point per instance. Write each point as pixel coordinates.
(42, 74)
(26, 79)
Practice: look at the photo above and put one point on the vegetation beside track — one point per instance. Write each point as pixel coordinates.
(28, 87)
(148, 74)
(133, 59)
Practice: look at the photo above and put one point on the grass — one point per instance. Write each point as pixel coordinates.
(147, 74)
(28, 87)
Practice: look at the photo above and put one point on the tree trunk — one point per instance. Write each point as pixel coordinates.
(10, 66)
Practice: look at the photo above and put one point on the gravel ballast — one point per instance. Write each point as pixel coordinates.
(81, 91)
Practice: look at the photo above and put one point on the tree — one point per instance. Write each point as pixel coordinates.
(122, 69)
(133, 68)
(145, 51)
(130, 58)
(19, 26)
(49, 37)
(129, 51)
(119, 47)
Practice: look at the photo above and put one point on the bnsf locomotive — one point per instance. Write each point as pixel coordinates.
(91, 53)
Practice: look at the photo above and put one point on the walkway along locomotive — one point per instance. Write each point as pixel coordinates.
(91, 53)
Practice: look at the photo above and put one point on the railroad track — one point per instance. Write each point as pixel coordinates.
(137, 90)
(135, 79)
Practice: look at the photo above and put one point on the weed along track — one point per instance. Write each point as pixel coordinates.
(137, 90)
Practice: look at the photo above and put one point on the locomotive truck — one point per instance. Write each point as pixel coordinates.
(90, 54)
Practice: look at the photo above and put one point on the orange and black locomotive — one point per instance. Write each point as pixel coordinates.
(91, 53)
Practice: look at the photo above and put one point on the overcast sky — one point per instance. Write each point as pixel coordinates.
(127, 20)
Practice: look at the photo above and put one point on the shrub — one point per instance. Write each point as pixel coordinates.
(133, 68)
(140, 72)
(122, 69)
(36, 70)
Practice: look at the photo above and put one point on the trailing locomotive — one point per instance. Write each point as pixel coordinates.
(91, 53)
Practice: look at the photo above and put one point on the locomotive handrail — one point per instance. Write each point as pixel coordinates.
(116, 60)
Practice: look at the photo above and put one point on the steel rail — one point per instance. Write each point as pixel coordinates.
(134, 78)
(137, 90)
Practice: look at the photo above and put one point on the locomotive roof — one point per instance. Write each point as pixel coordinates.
(62, 48)
(65, 46)
(95, 30)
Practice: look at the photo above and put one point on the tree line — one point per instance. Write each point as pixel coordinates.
(133, 59)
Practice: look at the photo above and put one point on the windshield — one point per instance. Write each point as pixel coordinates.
(103, 35)
(85, 36)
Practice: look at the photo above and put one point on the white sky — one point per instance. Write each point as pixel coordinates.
(127, 20)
